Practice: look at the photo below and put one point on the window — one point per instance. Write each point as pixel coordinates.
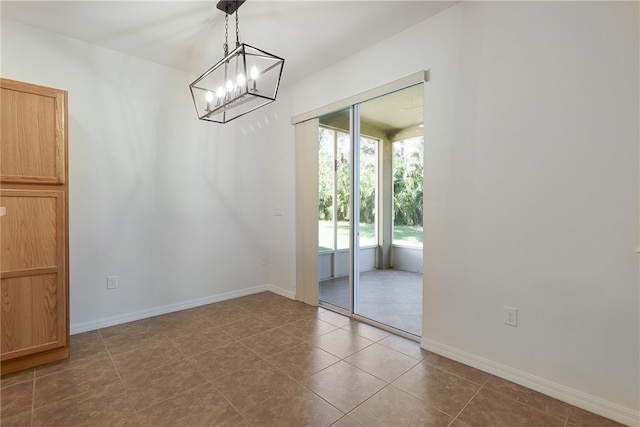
(334, 190)
(407, 161)
(368, 190)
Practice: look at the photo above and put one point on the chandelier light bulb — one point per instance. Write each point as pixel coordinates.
(208, 97)
(220, 95)
(254, 76)
(228, 89)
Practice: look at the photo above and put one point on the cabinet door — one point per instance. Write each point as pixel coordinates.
(32, 265)
(33, 134)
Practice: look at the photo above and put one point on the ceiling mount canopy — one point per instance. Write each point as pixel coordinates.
(244, 80)
(229, 6)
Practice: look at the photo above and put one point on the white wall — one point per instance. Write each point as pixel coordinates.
(174, 206)
(532, 185)
(532, 188)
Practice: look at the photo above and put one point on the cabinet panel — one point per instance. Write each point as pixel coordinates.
(32, 243)
(30, 229)
(32, 134)
(34, 229)
(32, 315)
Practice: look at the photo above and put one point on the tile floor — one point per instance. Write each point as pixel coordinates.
(390, 296)
(264, 360)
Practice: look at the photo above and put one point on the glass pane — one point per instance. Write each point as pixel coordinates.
(343, 188)
(368, 194)
(388, 288)
(333, 210)
(407, 191)
(326, 149)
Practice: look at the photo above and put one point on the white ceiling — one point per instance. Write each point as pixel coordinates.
(188, 35)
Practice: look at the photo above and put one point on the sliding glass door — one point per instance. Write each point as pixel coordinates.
(334, 208)
(370, 160)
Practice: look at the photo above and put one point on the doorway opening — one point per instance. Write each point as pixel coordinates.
(370, 204)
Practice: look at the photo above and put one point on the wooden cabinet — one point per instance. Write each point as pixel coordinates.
(34, 254)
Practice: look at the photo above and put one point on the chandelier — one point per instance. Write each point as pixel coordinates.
(244, 80)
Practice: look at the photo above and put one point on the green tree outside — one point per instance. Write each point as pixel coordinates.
(407, 188)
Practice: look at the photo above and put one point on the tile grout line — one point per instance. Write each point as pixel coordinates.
(113, 364)
(131, 405)
(118, 374)
(262, 358)
(454, 418)
(206, 379)
(33, 399)
(36, 377)
(299, 382)
(343, 359)
(367, 399)
(184, 358)
(468, 402)
(485, 386)
(507, 396)
(374, 375)
(226, 400)
(344, 414)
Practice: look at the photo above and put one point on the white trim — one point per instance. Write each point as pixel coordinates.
(410, 80)
(77, 328)
(306, 201)
(566, 394)
(282, 292)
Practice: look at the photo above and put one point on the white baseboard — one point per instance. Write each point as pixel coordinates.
(77, 328)
(558, 391)
(282, 292)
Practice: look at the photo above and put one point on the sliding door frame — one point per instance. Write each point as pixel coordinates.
(403, 83)
(306, 141)
(354, 206)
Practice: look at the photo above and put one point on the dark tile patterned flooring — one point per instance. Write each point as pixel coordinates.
(264, 360)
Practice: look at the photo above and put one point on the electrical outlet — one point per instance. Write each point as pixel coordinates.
(511, 316)
(112, 282)
(263, 260)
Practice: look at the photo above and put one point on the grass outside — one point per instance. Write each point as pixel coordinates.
(408, 235)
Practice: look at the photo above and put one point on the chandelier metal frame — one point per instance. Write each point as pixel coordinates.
(244, 80)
